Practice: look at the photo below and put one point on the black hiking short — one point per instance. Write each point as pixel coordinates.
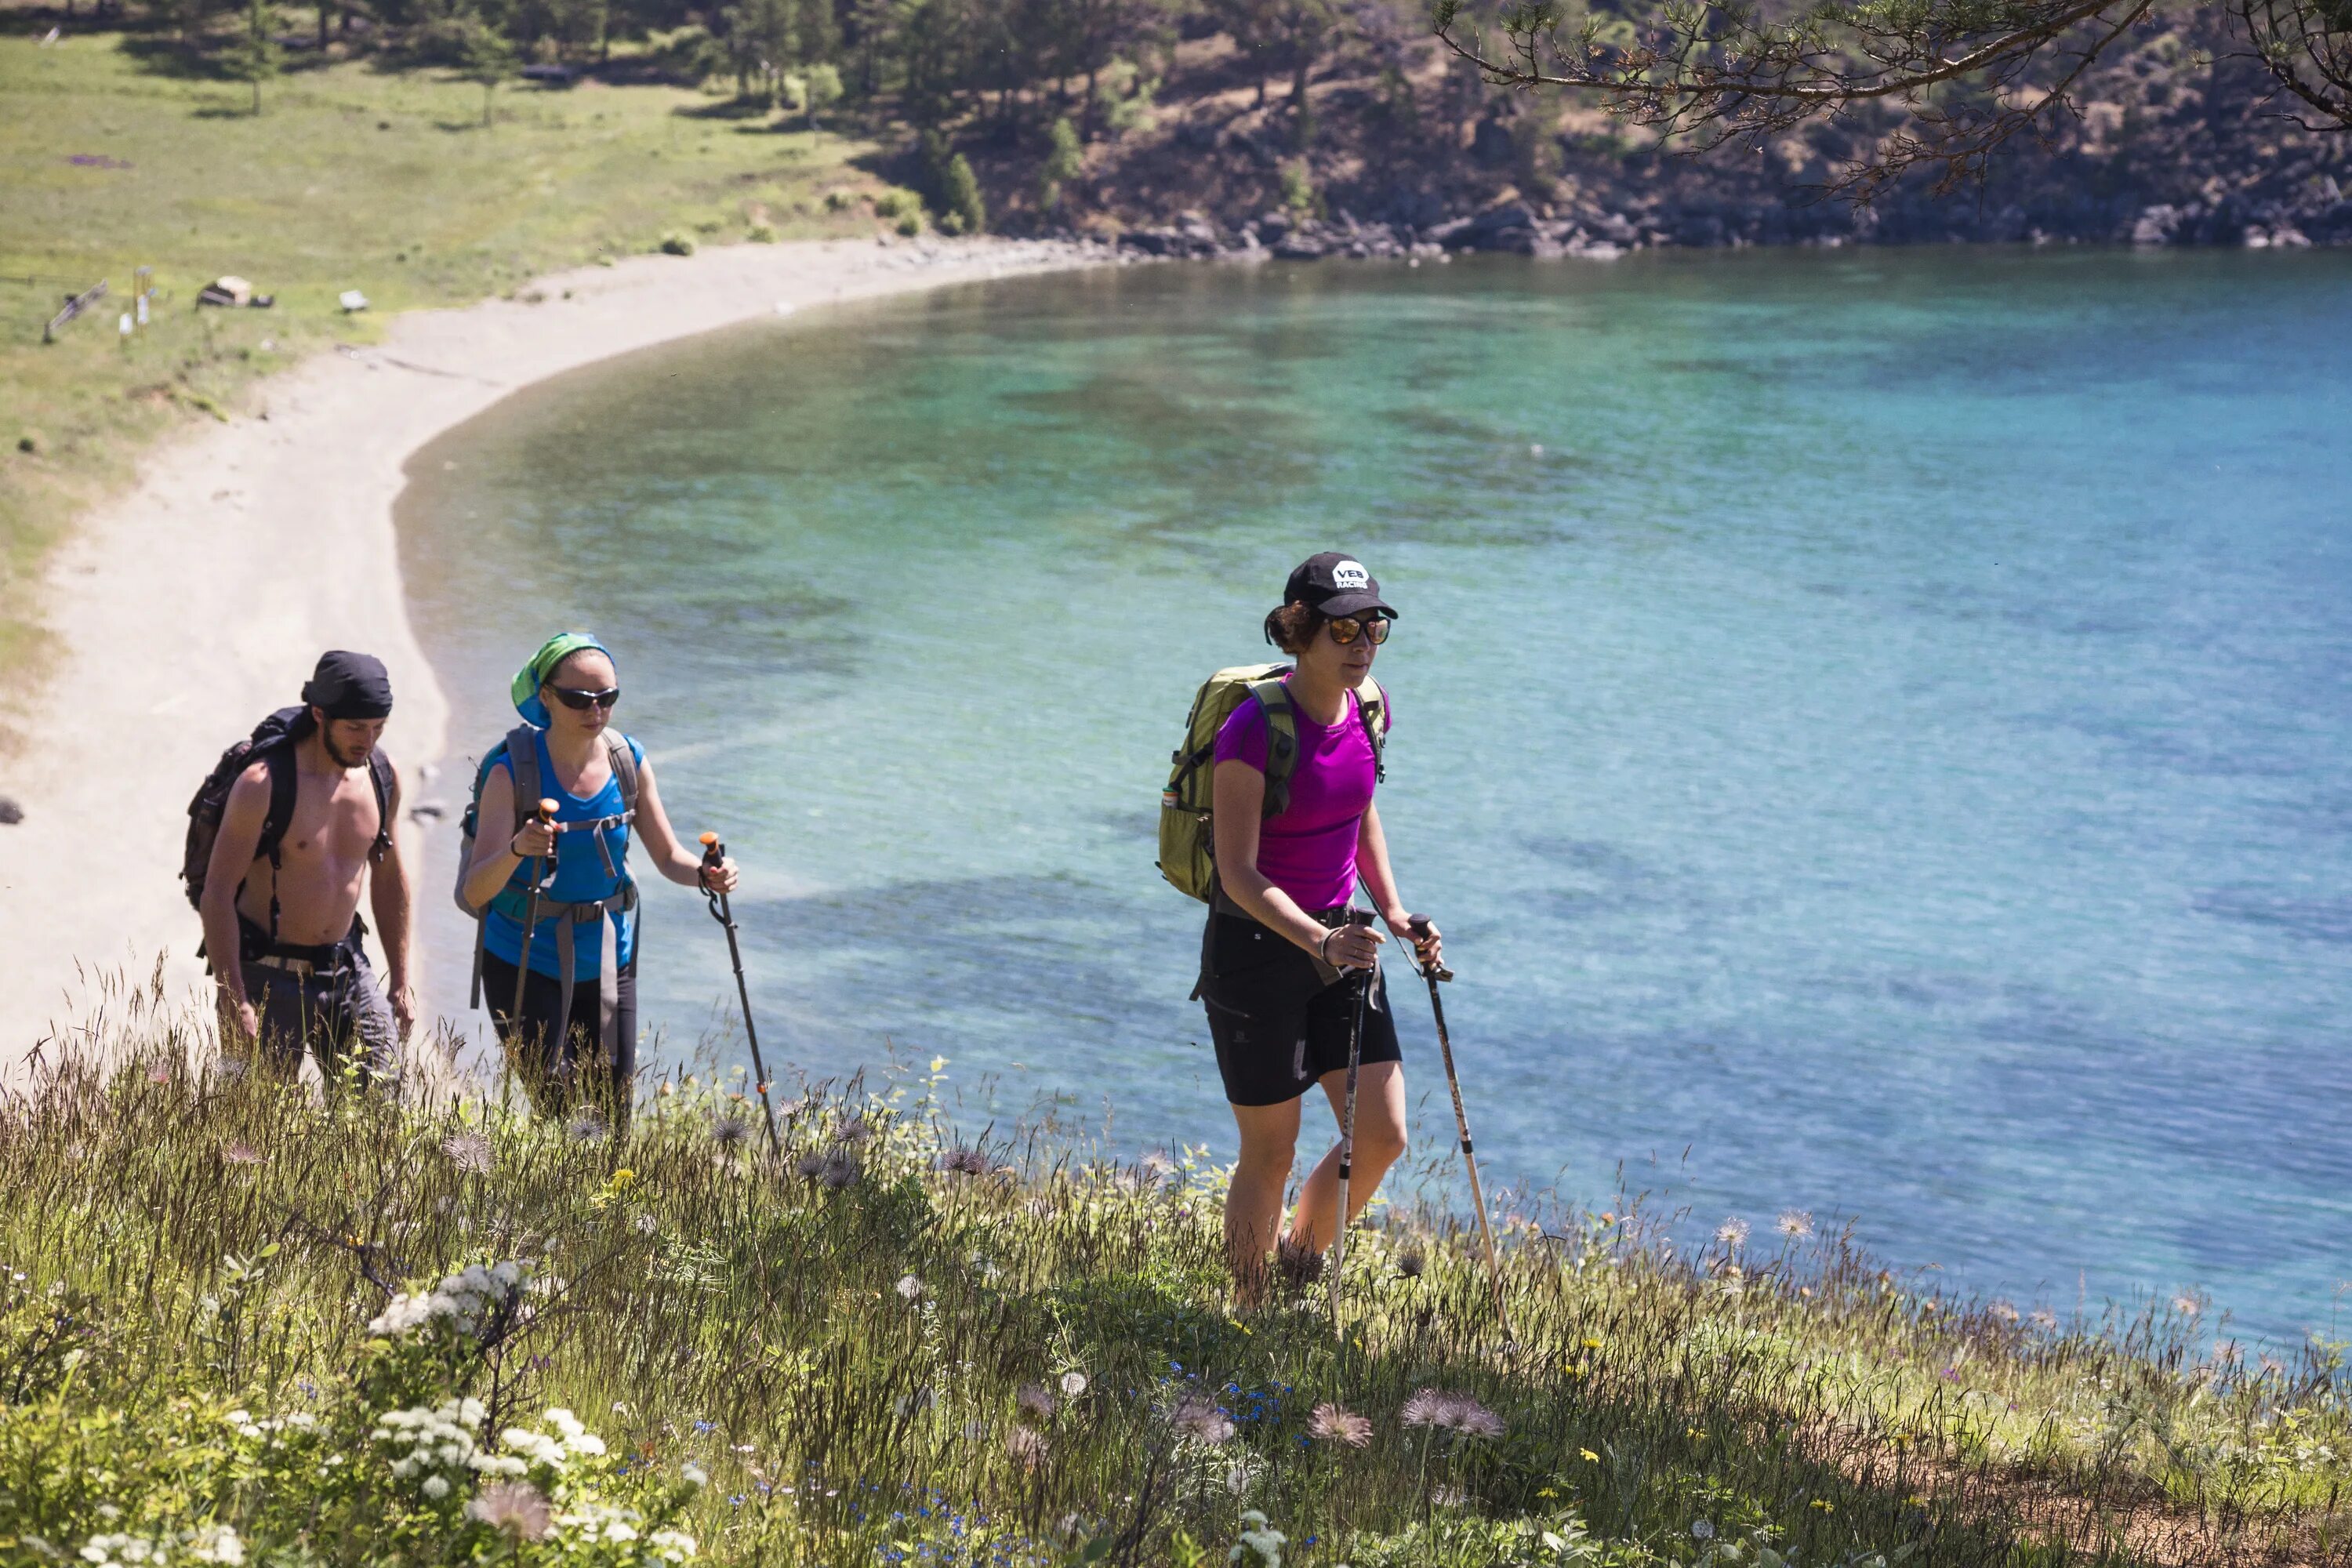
(562, 1066)
(1278, 1025)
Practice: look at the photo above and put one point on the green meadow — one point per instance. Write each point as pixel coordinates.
(239, 1322)
(119, 151)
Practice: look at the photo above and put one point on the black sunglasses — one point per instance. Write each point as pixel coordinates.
(1348, 629)
(581, 701)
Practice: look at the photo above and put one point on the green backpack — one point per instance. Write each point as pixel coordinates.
(1187, 846)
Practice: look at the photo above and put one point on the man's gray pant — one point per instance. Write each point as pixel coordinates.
(338, 1014)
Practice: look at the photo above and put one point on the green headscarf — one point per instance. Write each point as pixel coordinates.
(540, 665)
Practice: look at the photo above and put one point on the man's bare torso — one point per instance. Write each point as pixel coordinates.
(323, 859)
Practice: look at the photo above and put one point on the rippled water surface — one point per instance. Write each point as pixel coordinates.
(1872, 726)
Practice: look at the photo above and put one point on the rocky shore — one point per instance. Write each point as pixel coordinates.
(2176, 142)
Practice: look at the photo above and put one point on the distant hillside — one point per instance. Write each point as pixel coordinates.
(1402, 145)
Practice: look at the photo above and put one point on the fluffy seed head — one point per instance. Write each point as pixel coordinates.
(1333, 1424)
(1795, 1223)
(469, 1151)
(1197, 1415)
(515, 1507)
(1036, 1399)
(1732, 1232)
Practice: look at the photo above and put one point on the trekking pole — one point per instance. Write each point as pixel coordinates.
(1419, 927)
(546, 814)
(713, 852)
(1348, 1120)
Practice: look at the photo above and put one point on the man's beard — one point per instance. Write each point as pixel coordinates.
(336, 754)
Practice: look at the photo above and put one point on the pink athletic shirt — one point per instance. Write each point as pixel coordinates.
(1308, 850)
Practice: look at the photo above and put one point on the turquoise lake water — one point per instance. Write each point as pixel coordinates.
(1872, 725)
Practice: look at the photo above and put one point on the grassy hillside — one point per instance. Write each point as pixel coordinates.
(120, 152)
(344, 1336)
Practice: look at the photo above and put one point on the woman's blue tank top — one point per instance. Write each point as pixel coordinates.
(580, 876)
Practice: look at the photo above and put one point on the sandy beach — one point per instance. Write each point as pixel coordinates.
(197, 601)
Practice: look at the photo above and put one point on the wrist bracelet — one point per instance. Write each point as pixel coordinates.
(1323, 948)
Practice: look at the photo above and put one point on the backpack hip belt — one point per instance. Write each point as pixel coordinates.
(569, 918)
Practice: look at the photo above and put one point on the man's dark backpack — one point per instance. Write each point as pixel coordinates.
(272, 741)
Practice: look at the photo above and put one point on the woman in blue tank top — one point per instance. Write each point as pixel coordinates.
(577, 1032)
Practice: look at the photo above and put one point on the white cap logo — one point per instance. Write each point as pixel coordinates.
(1349, 574)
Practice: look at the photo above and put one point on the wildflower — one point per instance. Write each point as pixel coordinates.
(436, 1488)
(1702, 1529)
(515, 1509)
(469, 1151)
(910, 1287)
(856, 1130)
(159, 1073)
(1197, 1415)
(1027, 1446)
(645, 1224)
(693, 1475)
(1732, 1232)
(840, 1170)
(466, 1300)
(809, 1167)
(2004, 1311)
(1073, 1384)
(1590, 1457)
(2045, 1320)
(1412, 1262)
(1452, 1413)
(1796, 1224)
(964, 1163)
(1824, 1504)
(1334, 1423)
(1036, 1399)
(1299, 1266)
(238, 1152)
(216, 1543)
(2187, 1306)
(730, 1131)
(585, 1128)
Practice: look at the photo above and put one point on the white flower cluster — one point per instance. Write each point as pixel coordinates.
(216, 1543)
(243, 1424)
(440, 1438)
(590, 1523)
(463, 1299)
(570, 1440)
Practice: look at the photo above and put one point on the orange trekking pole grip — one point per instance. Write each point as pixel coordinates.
(546, 814)
(713, 852)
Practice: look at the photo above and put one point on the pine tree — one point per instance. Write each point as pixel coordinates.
(1065, 157)
(486, 58)
(254, 57)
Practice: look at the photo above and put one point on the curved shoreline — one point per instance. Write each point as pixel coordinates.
(197, 600)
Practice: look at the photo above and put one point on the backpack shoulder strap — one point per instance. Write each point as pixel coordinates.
(1373, 708)
(622, 752)
(278, 758)
(1273, 698)
(522, 761)
(380, 774)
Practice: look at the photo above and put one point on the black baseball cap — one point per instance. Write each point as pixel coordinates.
(1335, 584)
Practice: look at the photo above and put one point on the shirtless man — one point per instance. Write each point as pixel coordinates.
(292, 919)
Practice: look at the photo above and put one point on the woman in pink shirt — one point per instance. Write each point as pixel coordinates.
(1280, 1008)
